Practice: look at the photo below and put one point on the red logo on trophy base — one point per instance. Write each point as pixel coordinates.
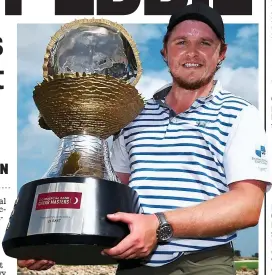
(52, 200)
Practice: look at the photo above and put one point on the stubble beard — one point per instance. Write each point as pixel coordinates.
(195, 85)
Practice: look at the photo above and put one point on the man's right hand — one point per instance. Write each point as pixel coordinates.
(35, 265)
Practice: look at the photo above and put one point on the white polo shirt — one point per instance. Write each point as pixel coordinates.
(180, 160)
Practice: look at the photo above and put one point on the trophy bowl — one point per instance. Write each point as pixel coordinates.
(88, 94)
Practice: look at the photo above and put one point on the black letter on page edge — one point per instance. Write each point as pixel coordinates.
(201, 1)
(1, 48)
(1, 86)
(156, 7)
(108, 7)
(78, 7)
(3, 168)
(13, 7)
(237, 7)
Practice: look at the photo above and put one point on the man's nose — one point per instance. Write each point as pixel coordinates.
(192, 51)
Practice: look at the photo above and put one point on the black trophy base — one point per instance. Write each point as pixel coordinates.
(62, 249)
(69, 248)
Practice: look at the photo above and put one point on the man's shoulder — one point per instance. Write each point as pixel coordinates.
(150, 107)
(227, 98)
(235, 107)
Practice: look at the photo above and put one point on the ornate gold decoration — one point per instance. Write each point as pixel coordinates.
(97, 105)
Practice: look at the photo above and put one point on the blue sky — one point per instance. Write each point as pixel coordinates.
(37, 147)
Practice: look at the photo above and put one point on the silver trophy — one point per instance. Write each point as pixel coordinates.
(87, 95)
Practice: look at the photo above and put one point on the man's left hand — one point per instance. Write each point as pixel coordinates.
(141, 240)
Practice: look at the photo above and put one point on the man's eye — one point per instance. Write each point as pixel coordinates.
(206, 43)
(181, 42)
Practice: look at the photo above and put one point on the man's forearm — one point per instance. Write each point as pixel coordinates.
(237, 209)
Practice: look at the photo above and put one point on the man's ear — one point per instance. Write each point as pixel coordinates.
(164, 55)
(223, 52)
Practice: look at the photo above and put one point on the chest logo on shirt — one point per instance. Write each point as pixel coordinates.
(202, 123)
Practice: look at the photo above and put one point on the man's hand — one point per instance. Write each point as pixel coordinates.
(35, 265)
(141, 240)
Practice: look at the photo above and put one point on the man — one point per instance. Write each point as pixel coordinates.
(195, 155)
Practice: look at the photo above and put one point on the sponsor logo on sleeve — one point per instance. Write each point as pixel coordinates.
(260, 156)
(260, 152)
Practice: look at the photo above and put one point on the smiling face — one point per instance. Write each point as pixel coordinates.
(192, 52)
